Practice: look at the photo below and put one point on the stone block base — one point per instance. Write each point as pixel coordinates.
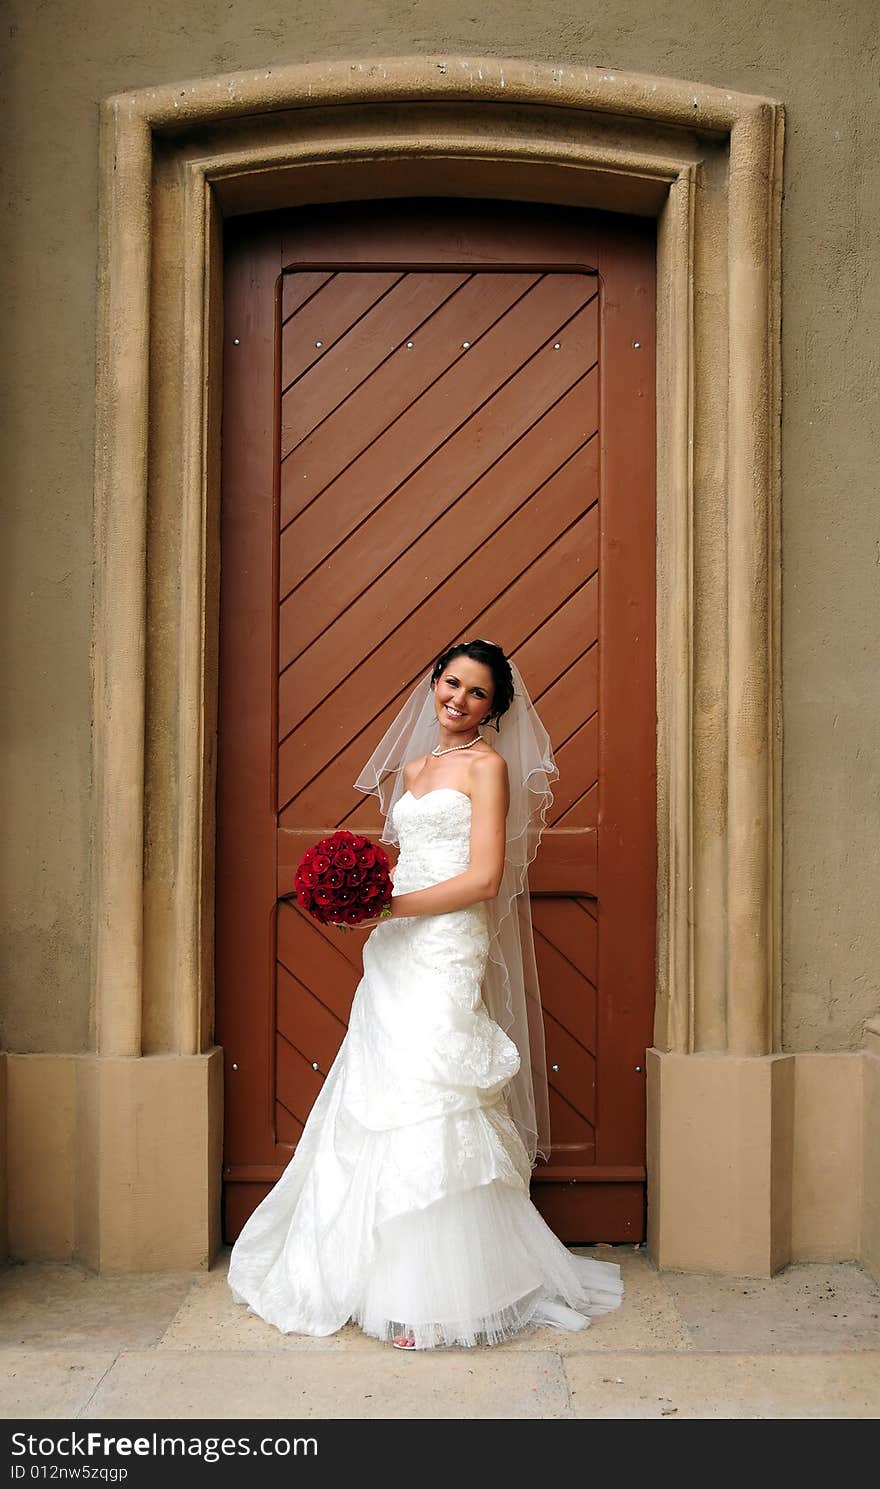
(754, 1162)
(115, 1162)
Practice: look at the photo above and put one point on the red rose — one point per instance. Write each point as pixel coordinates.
(343, 879)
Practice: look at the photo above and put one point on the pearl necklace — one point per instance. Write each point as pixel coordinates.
(449, 748)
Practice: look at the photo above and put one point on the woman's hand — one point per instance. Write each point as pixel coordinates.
(362, 925)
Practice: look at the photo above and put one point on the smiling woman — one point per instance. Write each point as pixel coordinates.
(467, 679)
(406, 1204)
(472, 684)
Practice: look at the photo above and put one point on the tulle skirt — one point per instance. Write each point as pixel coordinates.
(477, 1268)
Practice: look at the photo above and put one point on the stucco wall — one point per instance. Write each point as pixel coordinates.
(819, 58)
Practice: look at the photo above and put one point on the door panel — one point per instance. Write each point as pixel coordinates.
(438, 423)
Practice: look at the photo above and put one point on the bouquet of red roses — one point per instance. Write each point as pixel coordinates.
(344, 878)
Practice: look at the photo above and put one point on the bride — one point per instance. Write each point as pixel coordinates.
(405, 1206)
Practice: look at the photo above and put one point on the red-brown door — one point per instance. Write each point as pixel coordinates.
(438, 422)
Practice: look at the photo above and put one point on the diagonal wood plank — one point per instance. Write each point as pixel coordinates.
(313, 331)
(298, 288)
(329, 795)
(354, 357)
(442, 558)
(517, 612)
(567, 992)
(584, 810)
(548, 652)
(305, 1022)
(287, 1129)
(575, 1078)
(571, 698)
(541, 398)
(578, 761)
(575, 936)
(537, 409)
(574, 1137)
(401, 446)
(295, 1080)
(398, 381)
(334, 958)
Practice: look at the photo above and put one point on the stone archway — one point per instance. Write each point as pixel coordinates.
(707, 164)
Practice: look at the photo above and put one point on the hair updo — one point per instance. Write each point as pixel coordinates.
(492, 657)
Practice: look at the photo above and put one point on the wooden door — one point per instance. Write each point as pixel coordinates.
(438, 422)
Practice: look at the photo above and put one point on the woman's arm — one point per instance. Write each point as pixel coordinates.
(481, 880)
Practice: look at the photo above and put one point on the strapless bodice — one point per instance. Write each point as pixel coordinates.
(434, 833)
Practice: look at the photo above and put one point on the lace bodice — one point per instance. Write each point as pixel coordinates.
(434, 834)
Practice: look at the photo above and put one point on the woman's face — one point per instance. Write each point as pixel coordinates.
(463, 695)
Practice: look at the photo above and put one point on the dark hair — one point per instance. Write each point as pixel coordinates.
(492, 657)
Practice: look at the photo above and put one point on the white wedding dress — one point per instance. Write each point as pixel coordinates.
(405, 1206)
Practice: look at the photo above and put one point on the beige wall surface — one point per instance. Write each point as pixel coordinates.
(820, 59)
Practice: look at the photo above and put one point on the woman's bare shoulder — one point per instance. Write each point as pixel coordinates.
(490, 760)
(492, 766)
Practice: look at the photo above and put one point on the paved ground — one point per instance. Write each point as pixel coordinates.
(804, 1344)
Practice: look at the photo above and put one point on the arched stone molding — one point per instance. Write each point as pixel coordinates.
(707, 163)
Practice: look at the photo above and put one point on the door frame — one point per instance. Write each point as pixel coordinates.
(707, 163)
